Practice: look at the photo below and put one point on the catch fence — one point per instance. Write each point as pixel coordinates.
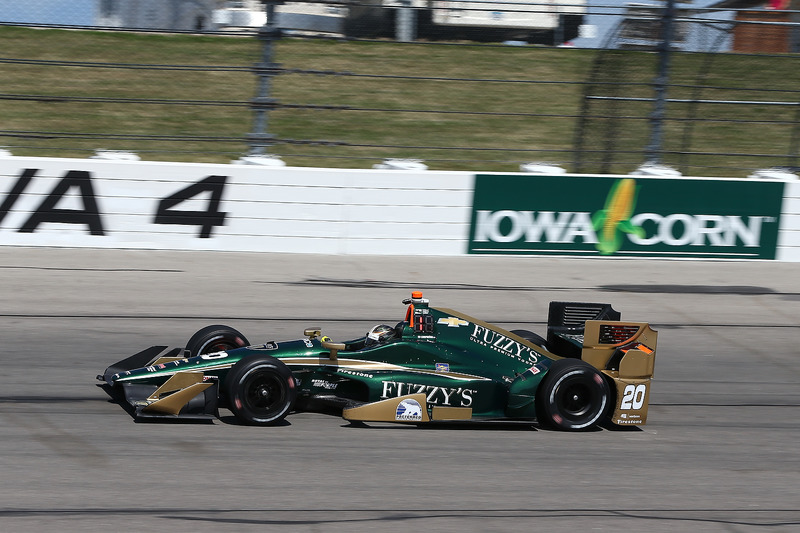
(591, 88)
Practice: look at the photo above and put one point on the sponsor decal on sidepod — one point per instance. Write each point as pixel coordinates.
(409, 410)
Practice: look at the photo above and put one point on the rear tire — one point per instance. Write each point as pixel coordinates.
(538, 340)
(260, 390)
(215, 338)
(573, 396)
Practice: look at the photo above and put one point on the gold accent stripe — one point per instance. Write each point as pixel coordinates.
(173, 403)
(441, 412)
(361, 365)
(179, 381)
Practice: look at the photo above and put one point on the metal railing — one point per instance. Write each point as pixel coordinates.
(707, 102)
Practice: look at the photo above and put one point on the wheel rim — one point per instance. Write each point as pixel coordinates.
(578, 399)
(575, 400)
(264, 393)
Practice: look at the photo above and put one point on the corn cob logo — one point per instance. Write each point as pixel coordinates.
(615, 218)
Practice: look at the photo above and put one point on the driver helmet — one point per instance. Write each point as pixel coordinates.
(380, 334)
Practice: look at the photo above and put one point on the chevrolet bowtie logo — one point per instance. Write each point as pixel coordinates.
(452, 322)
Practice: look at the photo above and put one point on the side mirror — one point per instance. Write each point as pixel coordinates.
(334, 347)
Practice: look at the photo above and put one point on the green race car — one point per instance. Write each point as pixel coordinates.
(436, 365)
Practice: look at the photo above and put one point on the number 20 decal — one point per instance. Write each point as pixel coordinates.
(633, 397)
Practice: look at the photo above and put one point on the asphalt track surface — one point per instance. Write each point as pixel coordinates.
(720, 451)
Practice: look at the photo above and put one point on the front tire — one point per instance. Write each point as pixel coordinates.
(261, 390)
(573, 396)
(217, 338)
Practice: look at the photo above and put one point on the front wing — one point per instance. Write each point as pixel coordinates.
(185, 395)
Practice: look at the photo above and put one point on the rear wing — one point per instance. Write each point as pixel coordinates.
(594, 333)
(566, 322)
(625, 352)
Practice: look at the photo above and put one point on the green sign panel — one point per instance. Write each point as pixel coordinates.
(631, 216)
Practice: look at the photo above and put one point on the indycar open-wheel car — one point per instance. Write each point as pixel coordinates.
(436, 365)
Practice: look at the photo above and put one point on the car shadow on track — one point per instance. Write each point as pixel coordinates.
(503, 425)
(233, 421)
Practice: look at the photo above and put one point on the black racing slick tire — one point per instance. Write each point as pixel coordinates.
(215, 338)
(261, 390)
(573, 396)
(538, 340)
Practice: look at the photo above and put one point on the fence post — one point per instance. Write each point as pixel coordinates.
(260, 139)
(660, 83)
(406, 24)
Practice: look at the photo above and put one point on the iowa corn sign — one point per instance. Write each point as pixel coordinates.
(625, 216)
